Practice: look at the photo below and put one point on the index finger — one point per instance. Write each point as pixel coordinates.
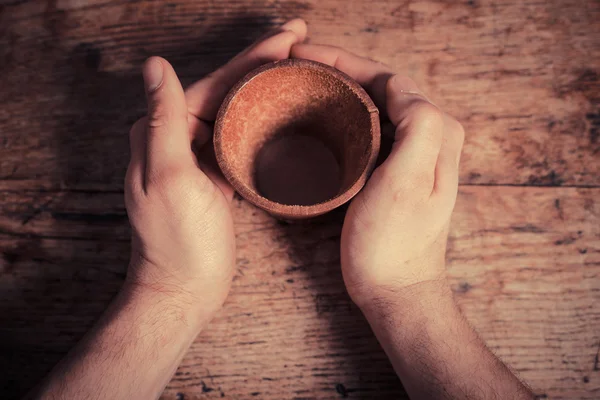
(371, 75)
(205, 96)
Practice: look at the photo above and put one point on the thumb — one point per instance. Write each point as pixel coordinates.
(168, 136)
(418, 138)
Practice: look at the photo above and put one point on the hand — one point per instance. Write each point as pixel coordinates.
(179, 206)
(394, 243)
(395, 231)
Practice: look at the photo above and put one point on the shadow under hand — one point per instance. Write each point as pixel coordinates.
(314, 248)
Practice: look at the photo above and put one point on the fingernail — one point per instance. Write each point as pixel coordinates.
(293, 21)
(404, 84)
(296, 25)
(153, 74)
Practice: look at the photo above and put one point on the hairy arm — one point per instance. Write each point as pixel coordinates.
(183, 242)
(434, 350)
(394, 241)
(132, 351)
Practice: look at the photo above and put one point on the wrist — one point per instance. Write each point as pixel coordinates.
(406, 321)
(201, 295)
(373, 282)
(176, 305)
(415, 304)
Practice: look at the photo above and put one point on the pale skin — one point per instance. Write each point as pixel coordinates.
(183, 248)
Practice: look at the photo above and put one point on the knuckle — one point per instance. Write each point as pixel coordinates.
(409, 188)
(394, 185)
(407, 197)
(415, 184)
(166, 177)
(425, 115)
(157, 119)
(161, 114)
(399, 195)
(425, 122)
(262, 51)
(132, 186)
(133, 196)
(137, 127)
(422, 181)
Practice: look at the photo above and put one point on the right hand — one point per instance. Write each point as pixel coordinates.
(395, 232)
(179, 205)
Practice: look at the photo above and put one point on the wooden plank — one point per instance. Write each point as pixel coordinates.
(78, 215)
(524, 265)
(521, 75)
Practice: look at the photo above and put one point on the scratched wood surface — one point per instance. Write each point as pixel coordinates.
(524, 254)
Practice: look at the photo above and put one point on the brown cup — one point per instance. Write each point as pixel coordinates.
(297, 138)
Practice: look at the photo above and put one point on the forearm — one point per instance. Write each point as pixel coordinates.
(132, 351)
(435, 351)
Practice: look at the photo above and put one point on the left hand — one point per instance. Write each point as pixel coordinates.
(179, 206)
(395, 231)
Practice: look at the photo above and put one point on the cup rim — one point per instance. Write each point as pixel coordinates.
(289, 210)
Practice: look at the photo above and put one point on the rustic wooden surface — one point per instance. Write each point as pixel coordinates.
(524, 254)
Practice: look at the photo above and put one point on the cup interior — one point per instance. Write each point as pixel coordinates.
(295, 134)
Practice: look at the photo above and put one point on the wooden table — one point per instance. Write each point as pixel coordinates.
(524, 252)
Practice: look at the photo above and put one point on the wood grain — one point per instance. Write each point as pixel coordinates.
(521, 75)
(524, 265)
(524, 253)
